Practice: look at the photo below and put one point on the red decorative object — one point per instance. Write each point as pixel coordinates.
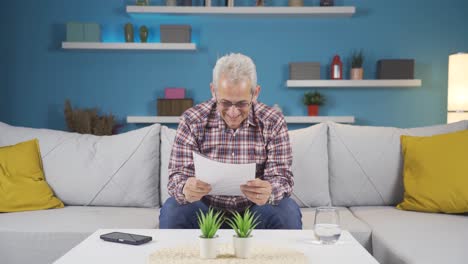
(313, 110)
(336, 69)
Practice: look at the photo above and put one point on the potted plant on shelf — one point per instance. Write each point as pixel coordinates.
(313, 100)
(356, 66)
(243, 226)
(209, 224)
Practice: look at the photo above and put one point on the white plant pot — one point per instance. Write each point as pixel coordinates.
(242, 246)
(209, 247)
(357, 73)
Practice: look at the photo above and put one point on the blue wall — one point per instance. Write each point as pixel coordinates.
(36, 75)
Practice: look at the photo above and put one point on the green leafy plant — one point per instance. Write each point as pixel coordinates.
(357, 59)
(243, 225)
(210, 222)
(314, 98)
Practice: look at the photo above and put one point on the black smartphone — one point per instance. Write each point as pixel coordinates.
(126, 238)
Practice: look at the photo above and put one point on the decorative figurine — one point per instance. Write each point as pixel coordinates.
(143, 34)
(129, 36)
(336, 69)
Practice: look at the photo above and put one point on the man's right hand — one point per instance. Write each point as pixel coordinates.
(195, 189)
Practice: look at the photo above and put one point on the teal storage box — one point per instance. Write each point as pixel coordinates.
(75, 32)
(92, 32)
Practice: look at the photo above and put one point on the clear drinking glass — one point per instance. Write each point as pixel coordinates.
(327, 225)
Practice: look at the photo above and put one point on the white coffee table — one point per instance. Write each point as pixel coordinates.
(95, 250)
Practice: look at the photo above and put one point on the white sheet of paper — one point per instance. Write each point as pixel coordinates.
(224, 178)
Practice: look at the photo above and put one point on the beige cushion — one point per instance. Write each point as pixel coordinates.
(167, 139)
(120, 170)
(366, 163)
(310, 166)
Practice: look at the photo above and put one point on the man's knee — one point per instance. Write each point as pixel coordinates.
(285, 215)
(290, 214)
(174, 215)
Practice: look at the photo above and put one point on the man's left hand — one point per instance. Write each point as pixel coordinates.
(257, 191)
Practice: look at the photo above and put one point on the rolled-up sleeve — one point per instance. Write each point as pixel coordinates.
(279, 161)
(181, 161)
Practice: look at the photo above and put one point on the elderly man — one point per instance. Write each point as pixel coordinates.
(232, 127)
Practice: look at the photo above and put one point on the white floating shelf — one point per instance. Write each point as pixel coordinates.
(289, 119)
(153, 119)
(128, 46)
(332, 11)
(353, 83)
(318, 119)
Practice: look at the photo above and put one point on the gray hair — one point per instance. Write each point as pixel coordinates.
(235, 67)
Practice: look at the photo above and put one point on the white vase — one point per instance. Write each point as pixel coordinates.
(242, 246)
(357, 73)
(209, 247)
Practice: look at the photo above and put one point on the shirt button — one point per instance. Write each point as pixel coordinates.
(233, 154)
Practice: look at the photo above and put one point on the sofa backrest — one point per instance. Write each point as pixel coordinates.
(310, 164)
(343, 165)
(167, 139)
(365, 162)
(120, 170)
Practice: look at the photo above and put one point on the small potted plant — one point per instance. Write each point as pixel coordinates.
(209, 224)
(313, 100)
(357, 60)
(243, 226)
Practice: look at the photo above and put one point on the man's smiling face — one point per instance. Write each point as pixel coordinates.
(234, 100)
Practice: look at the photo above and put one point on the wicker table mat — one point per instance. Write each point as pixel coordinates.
(190, 254)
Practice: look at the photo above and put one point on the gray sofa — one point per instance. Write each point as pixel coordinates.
(120, 182)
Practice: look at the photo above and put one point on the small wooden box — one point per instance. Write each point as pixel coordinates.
(173, 107)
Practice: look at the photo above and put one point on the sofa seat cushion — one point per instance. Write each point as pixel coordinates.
(359, 229)
(406, 237)
(43, 236)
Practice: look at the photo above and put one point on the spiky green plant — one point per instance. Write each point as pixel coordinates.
(243, 225)
(357, 60)
(210, 222)
(313, 98)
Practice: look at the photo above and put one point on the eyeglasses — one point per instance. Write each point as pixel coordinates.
(242, 105)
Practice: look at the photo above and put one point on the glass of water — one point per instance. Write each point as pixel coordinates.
(327, 225)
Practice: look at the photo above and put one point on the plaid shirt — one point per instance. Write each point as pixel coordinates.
(262, 138)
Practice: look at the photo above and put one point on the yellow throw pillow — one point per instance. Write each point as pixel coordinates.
(436, 173)
(22, 183)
